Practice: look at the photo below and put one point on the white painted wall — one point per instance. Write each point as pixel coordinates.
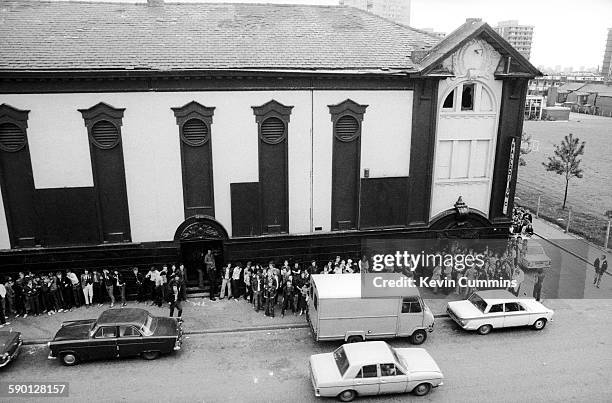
(60, 150)
(385, 140)
(5, 242)
(473, 136)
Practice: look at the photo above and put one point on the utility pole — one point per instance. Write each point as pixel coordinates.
(609, 215)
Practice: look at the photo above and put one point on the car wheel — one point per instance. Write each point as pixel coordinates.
(485, 329)
(422, 389)
(69, 359)
(354, 339)
(347, 396)
(418, 337)
(150, 355)
(539, 324)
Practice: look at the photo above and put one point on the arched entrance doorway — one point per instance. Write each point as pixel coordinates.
(196, 235)
(461, 222)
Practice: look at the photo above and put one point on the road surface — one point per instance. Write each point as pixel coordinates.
(570, 360)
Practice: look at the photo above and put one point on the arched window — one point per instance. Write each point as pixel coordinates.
(103, 123)
(273, 153)
(195, 133)
(346, 164)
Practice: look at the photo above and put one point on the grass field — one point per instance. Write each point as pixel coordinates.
(588, 197)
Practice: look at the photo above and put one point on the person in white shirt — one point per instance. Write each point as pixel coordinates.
(3, 321)
(87, 284)
(519, 276)
(77, 291)
(236, 287)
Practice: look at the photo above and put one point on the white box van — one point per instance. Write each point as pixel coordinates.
(336, 311)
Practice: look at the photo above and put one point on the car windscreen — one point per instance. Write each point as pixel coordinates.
(535, 250)
(341, 360)
(398, 359)
(478, 302)
(147, 327)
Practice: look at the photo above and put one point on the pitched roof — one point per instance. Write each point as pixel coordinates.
(86, 36)
(570, 87)
(600, 89)
(430, 60)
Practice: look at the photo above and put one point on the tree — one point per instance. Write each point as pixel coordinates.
(526, 148)
(566, 161)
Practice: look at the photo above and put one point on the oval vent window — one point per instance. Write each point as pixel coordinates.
(347, 128)
(195, 132)
(273, 130)
(105, 134)
(12, 137)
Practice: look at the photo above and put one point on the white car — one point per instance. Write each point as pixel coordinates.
(534, 257)
(373, 368)
(484, 311)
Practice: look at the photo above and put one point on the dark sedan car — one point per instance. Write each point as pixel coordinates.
(117, 333)
(10, 343)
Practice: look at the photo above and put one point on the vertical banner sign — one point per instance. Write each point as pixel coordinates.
(509, 179)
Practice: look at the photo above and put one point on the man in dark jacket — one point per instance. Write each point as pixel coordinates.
(288, 291)
(270, 296)
(174, 291)
(257, 288)
(600, 268)
(140, 290)
(120, 283)
(109, 284)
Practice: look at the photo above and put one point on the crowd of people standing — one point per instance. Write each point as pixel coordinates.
(63, 291)
(267, 286)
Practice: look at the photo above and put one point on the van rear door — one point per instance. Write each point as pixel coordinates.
(410, 316)
(313, 310)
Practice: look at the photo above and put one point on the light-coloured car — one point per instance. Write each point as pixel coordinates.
(534, 257)
(373, 368)
(484, 311)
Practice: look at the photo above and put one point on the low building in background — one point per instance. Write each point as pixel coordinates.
(592, 99)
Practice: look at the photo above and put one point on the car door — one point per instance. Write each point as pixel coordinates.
(392, 379)
(129, 342)
(411, 316)
(495, 315)
(515, 315)
(104, 343)
(367, 381)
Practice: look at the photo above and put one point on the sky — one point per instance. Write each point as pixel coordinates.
(567, 32)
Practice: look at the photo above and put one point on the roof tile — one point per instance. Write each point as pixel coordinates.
(41, 35)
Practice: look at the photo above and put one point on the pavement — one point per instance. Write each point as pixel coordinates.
(201, 316)
(575, 257)
(569, 360)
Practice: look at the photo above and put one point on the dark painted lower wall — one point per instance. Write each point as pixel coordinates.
(67, 216)
(245, 209)
(261, 249)
(384, 202)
